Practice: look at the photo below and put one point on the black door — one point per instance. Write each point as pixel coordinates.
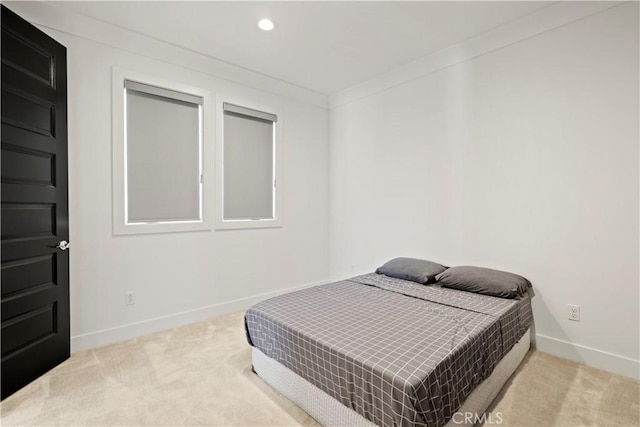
(35, 268)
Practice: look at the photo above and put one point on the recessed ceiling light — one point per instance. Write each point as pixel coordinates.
(265, 24)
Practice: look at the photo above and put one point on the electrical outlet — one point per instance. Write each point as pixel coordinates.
(130, 298)
(574, 312)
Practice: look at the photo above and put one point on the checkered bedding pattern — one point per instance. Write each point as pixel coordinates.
(396, 352)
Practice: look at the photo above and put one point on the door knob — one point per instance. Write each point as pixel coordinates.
(63, 245)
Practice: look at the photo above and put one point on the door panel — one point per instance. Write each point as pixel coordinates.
(34, 329)
(28, 328)
(24, 274)
(27, 112)
(27, 221)
(26, 57)
(20, 166)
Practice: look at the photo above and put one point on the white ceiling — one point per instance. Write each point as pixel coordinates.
(322, 46)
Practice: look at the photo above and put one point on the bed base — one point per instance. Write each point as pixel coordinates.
(330, 412)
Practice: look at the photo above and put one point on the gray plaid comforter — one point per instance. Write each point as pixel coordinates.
(396, 352)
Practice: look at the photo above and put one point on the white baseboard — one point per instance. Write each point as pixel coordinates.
(144, 327)
(610, 362)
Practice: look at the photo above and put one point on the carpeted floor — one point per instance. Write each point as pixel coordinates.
(200, 375)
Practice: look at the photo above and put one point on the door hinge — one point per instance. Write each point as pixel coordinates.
(274, 183)
(201, 179)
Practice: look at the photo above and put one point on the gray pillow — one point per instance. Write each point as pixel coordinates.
(484, 281)
(416, 270)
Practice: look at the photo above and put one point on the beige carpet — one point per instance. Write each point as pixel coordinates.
(200, 375)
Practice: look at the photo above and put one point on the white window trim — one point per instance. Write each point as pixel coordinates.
(278, 220)
(120, 226)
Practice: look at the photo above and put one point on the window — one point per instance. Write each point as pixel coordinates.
(248, 151)
(159, 156)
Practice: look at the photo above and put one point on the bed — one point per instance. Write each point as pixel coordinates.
(378, 350)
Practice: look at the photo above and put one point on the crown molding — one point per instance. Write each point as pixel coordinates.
(54, 17)
(554, 16)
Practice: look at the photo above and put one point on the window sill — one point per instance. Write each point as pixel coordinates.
(248, 224)
(160, 227)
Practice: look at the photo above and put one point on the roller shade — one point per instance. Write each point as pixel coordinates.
(159, 91)
(249, 112)
(163, 154)
(248, 164)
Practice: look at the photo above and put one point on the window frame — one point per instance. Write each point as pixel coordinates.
(119, 154)
(278, 189)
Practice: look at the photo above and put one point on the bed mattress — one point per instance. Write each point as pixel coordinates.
(329, 412)
(395, 352)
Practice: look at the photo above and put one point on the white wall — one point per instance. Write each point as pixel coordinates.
(523, 159)
(177, 277)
